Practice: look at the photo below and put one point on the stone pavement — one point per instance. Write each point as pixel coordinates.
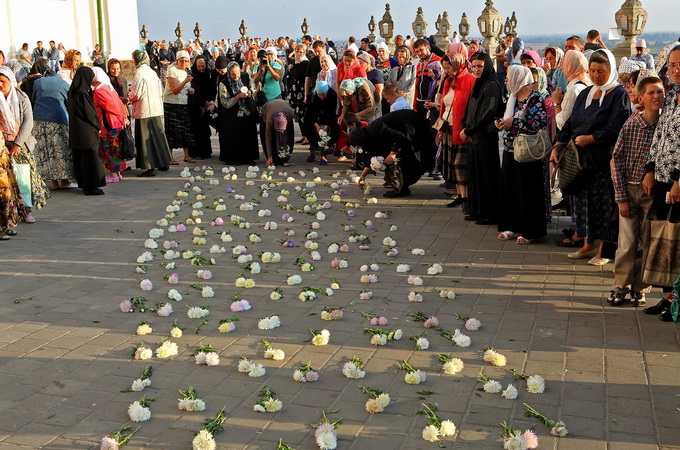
(611, 373)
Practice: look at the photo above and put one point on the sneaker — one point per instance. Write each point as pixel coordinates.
(637, 298)
(311, 158)
(616, 298)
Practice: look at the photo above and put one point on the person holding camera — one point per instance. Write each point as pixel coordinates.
(267, 74)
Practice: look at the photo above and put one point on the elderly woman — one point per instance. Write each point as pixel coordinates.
(384, 62)
(404, 74)
(201, 105)
(296, 88)
(71, 63)
(553, 68)
(522, 194)
(53, 156)
(146, 94)
(277, 132)
(322, 130)
(176, 106)
(329, 71)
(16, 124)
(367, 62)
(84, 126)
(348, 69)
(358, 96)
(12, 209)
(237, 118)
(453, 101)
(595, 122)
(118, 82)
(481, 135)
(113, 117)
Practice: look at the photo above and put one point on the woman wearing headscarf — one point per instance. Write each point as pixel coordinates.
(176, 106)
(575, 68)
(84, 126)
(480, 133)
(71, 63)
(201, 105)
(250, 62)
(348, 69)
(322, 130)
(39, 69)
(553, 67)
(118, 82)
(277, 132)
(473, 49)
(237, 118)
(404, 74)
(453, 101)
(329, 71)
(595, 122)
(296, 88)
(522, 194)
(459, 47)
(16, 124)
(542, 88)
(384, 63)
(146, 94)
(367, 61)
(12, 209)
(515, 52)
(358, 96)
(113, 118)
(53, 156)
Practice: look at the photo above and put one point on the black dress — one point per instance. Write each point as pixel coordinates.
(84, 132)
(237, 124)
(204, 87)
(296, 92)
(483, 164)
(322, 111)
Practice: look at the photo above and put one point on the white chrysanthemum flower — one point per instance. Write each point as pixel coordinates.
(326, 441)
(412, 378)
(431, 433)
(403, 268)
(350, 370)
(535, 384)
(245, 366)
(495, 358)
(167, 350)
(453, 367)
(144, 329)
(196, 312)
(203, 441)
(256, 371)
(139, 384)
(378, 339)
(461, 340)
(173, 294)
(138, 413)
(422, 344)
(493, 387)
(207, 292)
(447, 428)
(510, 392)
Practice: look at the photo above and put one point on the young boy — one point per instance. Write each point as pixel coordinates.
(628, 168)
(394, 98)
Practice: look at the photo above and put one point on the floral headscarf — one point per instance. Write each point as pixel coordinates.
(351, 85)
(9, 107)
(542, 82)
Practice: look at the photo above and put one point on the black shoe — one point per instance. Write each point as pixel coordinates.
(484, 222)
(11, 232)
(128, 168)
(456, 202)
(147, 173)
(666, 315)
(658, 308)
(164, 169)
(616, 298)
(637, 299)
(405, 192)
(569, 231)
(96, 191)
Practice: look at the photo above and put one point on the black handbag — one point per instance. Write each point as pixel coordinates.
(571, 173)
(127, 144)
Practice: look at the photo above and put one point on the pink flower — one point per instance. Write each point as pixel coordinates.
(187, 185)
(423, 375)
(126, 306)
(326, 205)
(236, 307)
(312, 376)
(181, 227)
(219, 221)
(206, 275)
(364, 247)
(335, 263)
(472, 324)
(337, 314)
(146, 285)
(316, 256)
(324, 428)
(374, 321)
(530, 439)
(382, 321)
(344, 248)
(349, 228)
(431, 322)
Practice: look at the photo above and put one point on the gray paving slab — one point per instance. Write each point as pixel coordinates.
(611, 374)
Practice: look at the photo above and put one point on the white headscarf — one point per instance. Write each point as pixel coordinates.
(10, 106)
(101, 76)
(611, 82)
(518, 77)
(331, 64)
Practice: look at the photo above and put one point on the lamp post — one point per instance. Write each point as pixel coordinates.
(197, 33)
(464, 29)
(631, 19)
(490, 25)
(507, 28)
(419, 25)
(386, 28)
(443, 26)
(304, 27)
(513, 23)
(179, 43)
(371, 28)
(243, 29)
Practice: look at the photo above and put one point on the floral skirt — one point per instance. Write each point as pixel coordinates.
(12, 209)
(39, 191)
(53, 157)
(110, 150)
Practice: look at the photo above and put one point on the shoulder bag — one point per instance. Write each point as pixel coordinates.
(570, 172)
(531, 147)
(663, 258)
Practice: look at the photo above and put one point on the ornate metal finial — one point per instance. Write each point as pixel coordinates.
(179, 43)
(144, 33)
(304, 27)
(243, 29)
(197, 33)
(371, 28)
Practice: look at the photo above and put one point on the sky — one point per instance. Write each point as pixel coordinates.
(337, 19)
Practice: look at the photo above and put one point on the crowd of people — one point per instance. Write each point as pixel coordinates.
(417, 110)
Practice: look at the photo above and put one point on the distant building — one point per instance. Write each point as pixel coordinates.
(71, 22)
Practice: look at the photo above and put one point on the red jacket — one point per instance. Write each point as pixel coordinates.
(107, 102)
(354, 71)
(462, 88)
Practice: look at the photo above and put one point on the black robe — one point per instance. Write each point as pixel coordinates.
(238, 135)
(204, 85)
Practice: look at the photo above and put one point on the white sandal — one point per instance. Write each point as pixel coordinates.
(524, 241)
(506, 235)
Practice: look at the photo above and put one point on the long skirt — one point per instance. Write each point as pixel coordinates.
(593, 207)
(484, 170)
(200, 126)
(522, 203)
(12, 210)
(39, 191)
(110, 150)
(53, 157)
(89, 168)
(178, 126)
(238, 140)
(152, 147)
(454, 161)
(283, 143)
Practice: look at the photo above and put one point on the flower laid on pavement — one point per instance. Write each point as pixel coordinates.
(167, 349)
(457, 337)
(332, 313)
(197, 312)
(516, 440)
(421, 341)
(146, 285)
(415, 280)
(238, 305)
(435, 427)
(254, 370)
(353, 368)
(320, 337)
(557, 428)
(269, 323)
(272, 353)
(434, 269)
(227, 325)
(141, 352)
(176, 331)
(490, 386)
(143, 381)
(413, 375)
(204, 439)
(305, 373)
(510, 392)
(535, 383)
(326, 435)
(118, 439)
(415, 297)
(207, 355)
(189, 401)
(450, 366)
(403, 268)
(267, 401)
(493, 357)
(428, 322)
(139, 410)
(144, 328)
(379, 400)
(443, 293)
